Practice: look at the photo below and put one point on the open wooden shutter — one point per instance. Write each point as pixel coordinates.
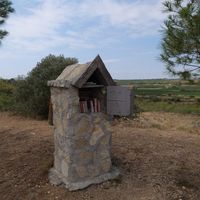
(119, 101)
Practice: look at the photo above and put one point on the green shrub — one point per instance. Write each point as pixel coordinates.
(32, 94)
(6, 87)
(6, 92)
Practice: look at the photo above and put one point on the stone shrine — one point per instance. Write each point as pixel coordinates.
(82, 132)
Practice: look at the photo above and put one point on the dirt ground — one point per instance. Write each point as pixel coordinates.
(158, 155)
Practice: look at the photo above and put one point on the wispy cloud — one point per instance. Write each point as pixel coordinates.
(138, 18)
(39, 27)
(84, 24)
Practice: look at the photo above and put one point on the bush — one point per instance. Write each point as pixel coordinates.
(32, 94)
(6, 87)
(6, 92)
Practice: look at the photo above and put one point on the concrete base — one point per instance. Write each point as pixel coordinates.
(56, 178)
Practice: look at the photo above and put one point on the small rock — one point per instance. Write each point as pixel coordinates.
(106, 185)
(139, 176)
(183, 187)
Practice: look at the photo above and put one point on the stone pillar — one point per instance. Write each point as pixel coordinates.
(82, 143)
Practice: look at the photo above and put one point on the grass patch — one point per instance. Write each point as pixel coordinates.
(147, 105)
(177, 91)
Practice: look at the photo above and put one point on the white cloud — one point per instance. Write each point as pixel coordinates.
(53, 23)
(119, 13)
(138, 18)
(40, 27)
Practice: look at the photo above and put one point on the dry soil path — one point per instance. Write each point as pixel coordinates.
(157, 154)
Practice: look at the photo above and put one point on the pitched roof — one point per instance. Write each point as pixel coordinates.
(72, 73)
(78, 74)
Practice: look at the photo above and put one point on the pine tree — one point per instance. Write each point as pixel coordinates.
(5, 10)
(181, 38)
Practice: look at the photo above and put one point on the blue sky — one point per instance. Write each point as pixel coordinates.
(126, 34)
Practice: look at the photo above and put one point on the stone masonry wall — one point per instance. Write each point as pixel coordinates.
(82, 143)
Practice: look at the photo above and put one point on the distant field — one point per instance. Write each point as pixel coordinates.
(145, 81)
(166, 95)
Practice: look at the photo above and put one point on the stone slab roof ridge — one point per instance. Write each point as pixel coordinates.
(77, 74)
